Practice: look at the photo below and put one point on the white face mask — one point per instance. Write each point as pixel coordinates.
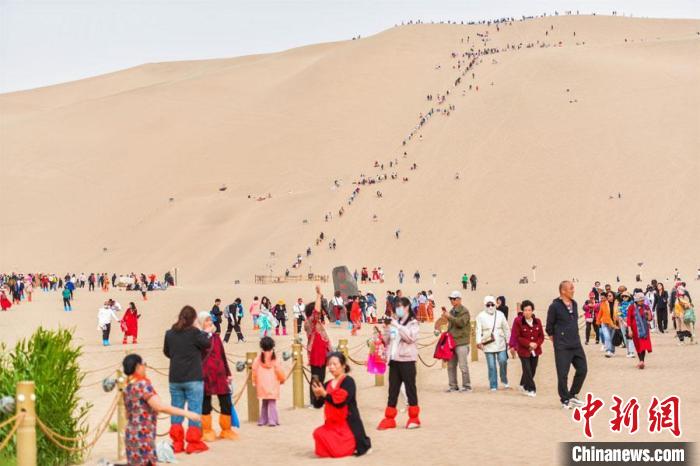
(400, 312)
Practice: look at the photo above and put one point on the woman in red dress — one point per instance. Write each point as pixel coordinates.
(5, 303)
(638, 317)
(130, 323)
(318, 344)
(355, 315)
(342, 434)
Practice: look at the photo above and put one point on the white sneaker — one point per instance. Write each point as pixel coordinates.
(602, 347)
(506, 386)
(493, 389)
(608, 354)
(575, 402)
(630, 355)
(531, 394)
(521, 388)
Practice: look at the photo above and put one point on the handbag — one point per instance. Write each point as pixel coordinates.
(617, 339)
(445, 348)
(491, 338)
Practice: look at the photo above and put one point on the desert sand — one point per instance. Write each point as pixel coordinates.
(542, 148)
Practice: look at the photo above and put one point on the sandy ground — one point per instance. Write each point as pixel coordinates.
(483, 426)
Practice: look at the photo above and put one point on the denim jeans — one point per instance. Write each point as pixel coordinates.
(191, 393)
(502, 357)
(606, 334)
(629, 344)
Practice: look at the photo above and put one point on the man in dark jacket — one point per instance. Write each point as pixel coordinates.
(459, 327)
(562, 328)
(216, 314)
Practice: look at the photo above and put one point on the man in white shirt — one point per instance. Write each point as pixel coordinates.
(299, 314)
(115, 306)
(105, 314)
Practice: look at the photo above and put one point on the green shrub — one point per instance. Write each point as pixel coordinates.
(49, 359)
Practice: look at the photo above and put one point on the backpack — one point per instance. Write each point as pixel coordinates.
(445, 347)
(227, 311)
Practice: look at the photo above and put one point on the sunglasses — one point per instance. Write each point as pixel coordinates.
(490, 305)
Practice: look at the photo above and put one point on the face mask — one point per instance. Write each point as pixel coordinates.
(400, 312)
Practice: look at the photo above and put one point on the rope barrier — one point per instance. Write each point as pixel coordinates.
(81, 438)
(160, 370)
(18, 419)
(54, 437)
(426, 345)
(359, 363)
(308, 380)
(7, 421)
(290, 372)
(426, 364)
(92, 371)
(238, 396)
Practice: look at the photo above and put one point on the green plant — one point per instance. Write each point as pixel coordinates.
(112, 427)
(50, 360)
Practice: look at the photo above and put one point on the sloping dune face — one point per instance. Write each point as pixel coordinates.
(579, 154)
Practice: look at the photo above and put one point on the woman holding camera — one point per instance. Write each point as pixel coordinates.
(318, 344)
(400, 336)
(342, 433)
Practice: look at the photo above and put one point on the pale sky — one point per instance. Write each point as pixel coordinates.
(52, 41)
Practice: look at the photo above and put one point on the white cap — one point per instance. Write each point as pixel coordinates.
(489, 299)
(455, 295)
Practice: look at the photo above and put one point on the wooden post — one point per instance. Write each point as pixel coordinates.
(26, 432)
(298, 375)
(472, 341)
(253, 407)
(121, 418)
(343, 347)
(379, 380)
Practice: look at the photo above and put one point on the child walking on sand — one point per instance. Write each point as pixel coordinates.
(267, 378)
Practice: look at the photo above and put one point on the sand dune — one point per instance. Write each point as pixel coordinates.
(98, 159)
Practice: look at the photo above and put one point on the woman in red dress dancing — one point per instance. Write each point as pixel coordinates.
(342, 433)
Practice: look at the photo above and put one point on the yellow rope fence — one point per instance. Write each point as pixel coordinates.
(17, 419)
(57, 438)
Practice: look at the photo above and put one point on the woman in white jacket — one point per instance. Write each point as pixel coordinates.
(492, 332)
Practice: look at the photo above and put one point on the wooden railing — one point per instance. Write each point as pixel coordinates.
(312, 277)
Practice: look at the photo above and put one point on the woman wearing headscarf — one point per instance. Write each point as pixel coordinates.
(217, 381)
(621, 311)
(492, 334)
(638, 317)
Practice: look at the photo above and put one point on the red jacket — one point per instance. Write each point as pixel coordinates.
(215, 368)
(526, 334)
